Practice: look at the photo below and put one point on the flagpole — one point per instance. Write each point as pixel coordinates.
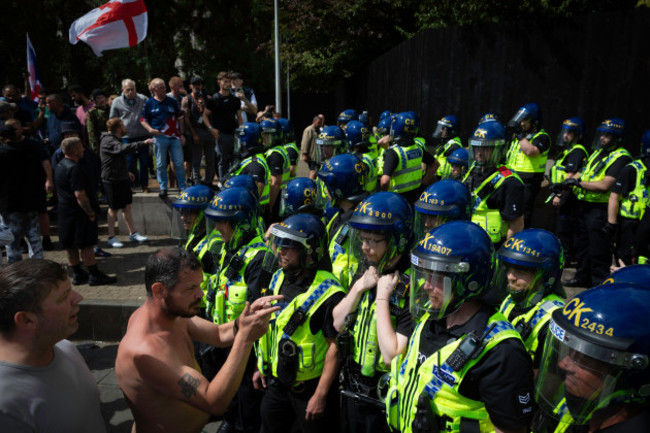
(278, 96)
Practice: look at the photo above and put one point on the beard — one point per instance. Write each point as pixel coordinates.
(175, 310)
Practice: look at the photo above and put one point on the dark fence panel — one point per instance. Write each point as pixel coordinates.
(594, 66)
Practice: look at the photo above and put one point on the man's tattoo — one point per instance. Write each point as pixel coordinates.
(188, 385)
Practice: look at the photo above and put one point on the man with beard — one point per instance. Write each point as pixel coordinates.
(155, 364)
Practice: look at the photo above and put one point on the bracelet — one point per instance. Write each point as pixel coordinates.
(236, 326)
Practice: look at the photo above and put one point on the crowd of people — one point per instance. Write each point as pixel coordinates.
(400, 287)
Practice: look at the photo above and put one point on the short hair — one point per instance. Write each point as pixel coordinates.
(156, 81)
(9, 87)
(126, 82)
(77, 89)
(55, 97)
(70, 143)
(174, 80)
(165, 265)
(113, 123)
(24, 285)
(223, 74)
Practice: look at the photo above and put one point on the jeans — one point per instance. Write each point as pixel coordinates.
(225, 149)
(142, 155)
(162, 145)
(23, 224)
(204, 146)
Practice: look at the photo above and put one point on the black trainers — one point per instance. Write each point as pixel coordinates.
(80, 278)
(163, 194)
(101, 279)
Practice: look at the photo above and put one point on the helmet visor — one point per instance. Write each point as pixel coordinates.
(566, 137)
(327, 149)
(374, 247)
(486, 153)
(524, 284)
(521, 115)
(425, 221)
(442, 131)
(571, 384)
(433, 285)
(605, 140)
(280, 239)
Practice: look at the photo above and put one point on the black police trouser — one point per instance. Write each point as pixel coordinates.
(593, 248)
(566, 223)
(625, 240)
(282, 406)
(532, 187)
(364, 417)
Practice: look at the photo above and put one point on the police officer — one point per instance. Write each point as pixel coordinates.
(190, 203)
(446, 140)
(381, 237)
(568, 165)
(465, 367)
(278, 161)
(301, 195)
(530, 266)
(244, 181)
(444, 201)
(459, 163)
(248, 144)
(241, 279)
(594, 374)
(344, 179)
(357, 137)
(290, 146)
(592, 188)
(488, 117)
(497, 191)
(627, 203)
(330, 142)
(346, 116)
(298, 362)
(528, 153)
(403, 161)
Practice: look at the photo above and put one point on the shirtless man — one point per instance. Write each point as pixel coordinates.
(155, 363)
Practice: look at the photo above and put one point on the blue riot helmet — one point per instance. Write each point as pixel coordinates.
(345, 117)
(357, 135)
(244, 181)
(364, 118)
(444, 201)
(237, 207)
(452, 264)
(248, 139)
(383, 127)
(386, 219)
(303, 232)
(385, 115)
(187, 209)
(447, 128)
(287, 130)
(330, 142)
(531, 112)
(404, 127)
(645, 144)
(488, 117)
(459, 161)
(635, 274)
(571, 132)
(487, 145)
(344, 177)
(529, 267)
(301, 195)
(271, 133)
(596, 356)
(609, 134)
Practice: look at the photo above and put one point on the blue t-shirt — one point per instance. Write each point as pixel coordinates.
(162, 115)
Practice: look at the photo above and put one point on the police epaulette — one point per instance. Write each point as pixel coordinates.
(505, 171)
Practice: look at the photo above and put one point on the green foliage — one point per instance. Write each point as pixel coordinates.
(322, 41)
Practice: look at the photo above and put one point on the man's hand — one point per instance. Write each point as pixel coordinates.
(386, 285)
(155, 132)
(254, 320)
(369, 279)
(571, 182)
(259, 381)
(131, 177)
(49, 186)
(609, 230)
(315, 407)
(149, 141)
(556, 201)
(214, 132)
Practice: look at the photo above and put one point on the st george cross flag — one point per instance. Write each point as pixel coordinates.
(116, 24)
(32, 68)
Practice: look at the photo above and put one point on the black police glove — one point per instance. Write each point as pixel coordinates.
(571, 182)
(609, 229)
(556, 188)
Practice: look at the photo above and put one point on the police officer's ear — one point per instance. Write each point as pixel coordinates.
(25, 320)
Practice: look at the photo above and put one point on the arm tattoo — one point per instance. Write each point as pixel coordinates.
(188, 385)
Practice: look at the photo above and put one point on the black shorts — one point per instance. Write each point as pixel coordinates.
(118, 195)
(77, 231)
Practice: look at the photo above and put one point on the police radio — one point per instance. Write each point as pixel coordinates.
(234, 266)
(343, 235)
(469, 348)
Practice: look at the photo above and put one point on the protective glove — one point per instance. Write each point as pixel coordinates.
(571, 182)
(557, 188)
(609, 229)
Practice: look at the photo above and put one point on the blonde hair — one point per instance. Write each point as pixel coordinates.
(70, 143)
(156, 81)
(175, 80)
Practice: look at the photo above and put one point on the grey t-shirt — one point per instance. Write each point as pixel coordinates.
(61, 397)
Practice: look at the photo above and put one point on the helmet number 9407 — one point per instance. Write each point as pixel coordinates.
(596, 327)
